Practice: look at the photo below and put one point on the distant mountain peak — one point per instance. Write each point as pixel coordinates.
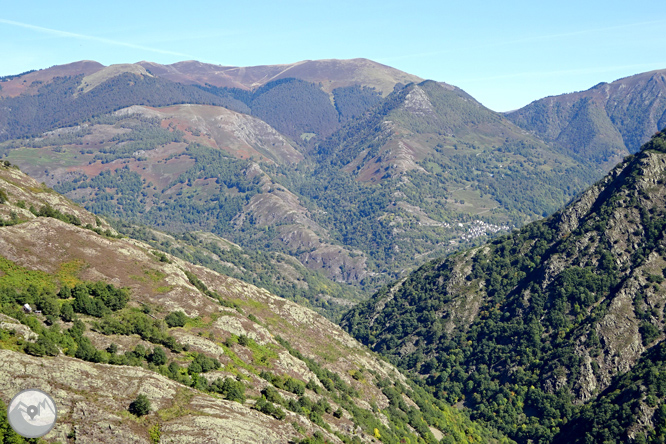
(95, 79)
(603, 123)
(332, 73)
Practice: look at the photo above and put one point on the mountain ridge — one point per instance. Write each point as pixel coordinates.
(603, 123)
(430, 168)
(334, 73)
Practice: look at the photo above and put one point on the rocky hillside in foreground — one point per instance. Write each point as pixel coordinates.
(554, 332)
(218, 360)
(604, 123)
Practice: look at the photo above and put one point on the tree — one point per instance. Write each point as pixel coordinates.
(35, 349)
(50, 307)
(140, 406)
(158, 356)
(230, 389)
(7, 434)
(49, 347)
(67, 312)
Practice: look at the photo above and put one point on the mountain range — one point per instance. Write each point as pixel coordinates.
(304, 147)
(602, 123)
(320, 182)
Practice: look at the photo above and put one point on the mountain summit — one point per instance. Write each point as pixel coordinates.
(331, 73)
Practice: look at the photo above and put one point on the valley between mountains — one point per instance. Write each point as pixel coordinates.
(194, 233)
(351, 171)
(233, 364)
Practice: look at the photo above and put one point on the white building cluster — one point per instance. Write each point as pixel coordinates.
(480, 228)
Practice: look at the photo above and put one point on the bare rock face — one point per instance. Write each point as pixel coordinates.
(418, 103)
(99, 415)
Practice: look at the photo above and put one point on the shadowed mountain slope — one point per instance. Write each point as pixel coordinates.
(65, 101)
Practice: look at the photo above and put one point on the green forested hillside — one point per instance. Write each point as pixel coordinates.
(401, 179)
(463, 150)
(353, 101)
(413, 176)
(604, 123)
(301, 109)
(631, 409)
(59, 103)
(527, 329)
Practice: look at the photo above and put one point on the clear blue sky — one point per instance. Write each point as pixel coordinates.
(505, 54)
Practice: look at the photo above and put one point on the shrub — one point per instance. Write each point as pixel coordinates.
(176, 319)
(49, 347)
(203, 364)
(67, 312)
(268, 408)
(140, 406)
(33, 348)
(49, 306)
(272, 395)
(230, 389)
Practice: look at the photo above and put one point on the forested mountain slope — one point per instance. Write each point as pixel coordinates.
(438, 179)
(604, 123)
(67, 100)
(188, 168)
(217, 359)
(535, 330)
(303, 110)
(428, 170)
(312, 97)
